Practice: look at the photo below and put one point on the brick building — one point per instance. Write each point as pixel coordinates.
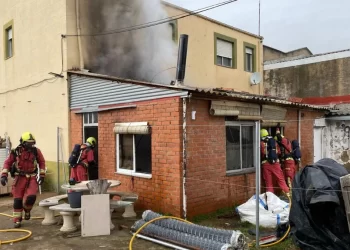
(185, 151)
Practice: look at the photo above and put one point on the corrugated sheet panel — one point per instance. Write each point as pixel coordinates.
(89, 91)
(3, 156)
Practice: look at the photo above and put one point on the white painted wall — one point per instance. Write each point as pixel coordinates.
(337, 141)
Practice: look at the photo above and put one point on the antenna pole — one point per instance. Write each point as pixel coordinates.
(259, 17)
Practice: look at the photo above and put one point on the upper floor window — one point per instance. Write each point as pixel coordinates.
(8, 40)
(225, 51)
(249, 57)
(174, 34)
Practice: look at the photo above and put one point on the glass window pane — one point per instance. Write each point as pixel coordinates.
(95, 115)
(233, 149)
(86, 117)
(143, 154)
(227, 61)
(249, 62)
(9, 48)
(247, 147)
(90, 118)
(218, 60)
(126, 153)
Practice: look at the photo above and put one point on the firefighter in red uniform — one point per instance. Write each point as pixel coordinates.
(22, 164)
(80, 172)
(288, 163)
(270, 170)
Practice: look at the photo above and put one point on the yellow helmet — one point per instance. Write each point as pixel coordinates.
(91, 141)
(27, 137)
(263, 133)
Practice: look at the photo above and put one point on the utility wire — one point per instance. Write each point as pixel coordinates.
(158, 22)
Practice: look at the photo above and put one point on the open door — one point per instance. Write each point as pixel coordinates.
(92, 131)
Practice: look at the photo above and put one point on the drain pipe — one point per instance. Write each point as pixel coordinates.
(58, 160)
(81, 59)
(184, 157)
(299, 125)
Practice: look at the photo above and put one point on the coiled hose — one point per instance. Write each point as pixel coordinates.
(29, 233)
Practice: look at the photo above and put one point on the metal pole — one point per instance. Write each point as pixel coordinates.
(259, 17)
(58, 159)
(62, 161)
(257, 179)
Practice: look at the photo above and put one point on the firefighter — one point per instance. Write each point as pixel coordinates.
(22, 164)
(93, 165)
(80, 172)
(286, 156)
(271, 168)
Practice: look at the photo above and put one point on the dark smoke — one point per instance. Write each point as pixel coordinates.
(141, 54)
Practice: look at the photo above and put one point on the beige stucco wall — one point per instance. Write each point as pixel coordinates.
(201, 70)
(42, 108)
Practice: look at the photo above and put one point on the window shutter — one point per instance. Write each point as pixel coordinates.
(273, 115)
(249, 51)
(224, 48)
(9, 34)
(242, 110)
(135, 128)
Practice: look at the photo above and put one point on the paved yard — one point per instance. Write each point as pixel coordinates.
(50, 238)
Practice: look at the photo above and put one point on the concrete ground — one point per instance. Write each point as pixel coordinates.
(50, 238)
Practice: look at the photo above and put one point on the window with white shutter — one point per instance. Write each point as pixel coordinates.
(249, 57)
(225, 51)
(8, 40)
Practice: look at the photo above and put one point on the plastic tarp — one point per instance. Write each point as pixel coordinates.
(272, 210)
(317, 216)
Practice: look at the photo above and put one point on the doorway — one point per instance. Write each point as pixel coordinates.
(90, 129)
(317, 144)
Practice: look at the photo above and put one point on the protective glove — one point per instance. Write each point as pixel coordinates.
(41, 180)
(3, 180)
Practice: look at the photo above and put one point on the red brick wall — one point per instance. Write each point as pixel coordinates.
(163, 192)
(208, 188)
(76, 129)
(306, 132)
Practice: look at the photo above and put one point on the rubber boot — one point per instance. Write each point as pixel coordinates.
(27, 215)
(17, 224)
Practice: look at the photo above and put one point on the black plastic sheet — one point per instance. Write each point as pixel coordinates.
(317, 217)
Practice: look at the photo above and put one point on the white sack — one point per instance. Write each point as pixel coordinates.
(277, 213)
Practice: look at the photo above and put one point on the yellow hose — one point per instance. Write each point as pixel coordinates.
(284, 236)
(149, 222)
(16, 240)
(17, 230)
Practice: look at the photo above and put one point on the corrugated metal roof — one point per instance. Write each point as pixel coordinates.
(342, 109)
(287, 59)
(87, 91)
(117, 90)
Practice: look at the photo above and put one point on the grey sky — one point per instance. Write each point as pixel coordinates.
(320, 25)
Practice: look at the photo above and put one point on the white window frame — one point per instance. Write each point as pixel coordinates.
(89, 124)
(255, 140)
(127, 171)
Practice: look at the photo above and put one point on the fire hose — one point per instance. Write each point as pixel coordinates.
(29, 233)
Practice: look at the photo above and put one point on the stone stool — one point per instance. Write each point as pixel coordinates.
(49, 215)
(68, 216)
